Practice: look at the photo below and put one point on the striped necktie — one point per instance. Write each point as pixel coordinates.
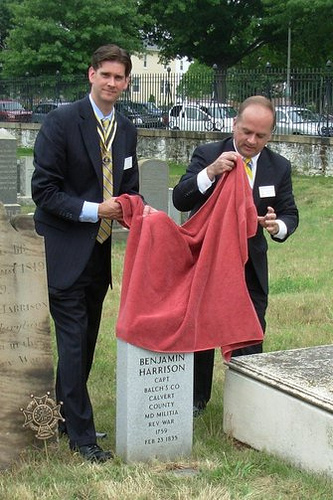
(248, 167)
(106, 131)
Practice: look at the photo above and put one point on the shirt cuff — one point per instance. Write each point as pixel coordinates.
(203, 181)
(89, 212)
(282, 233)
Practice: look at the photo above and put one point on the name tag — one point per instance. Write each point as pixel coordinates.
(128, 163)
(266, 191)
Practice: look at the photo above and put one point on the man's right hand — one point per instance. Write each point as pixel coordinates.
(110, 209)
(224, 163)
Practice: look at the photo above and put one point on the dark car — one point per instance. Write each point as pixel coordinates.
(42, 109)
(13, 111)
(150, 119)
(125, 109)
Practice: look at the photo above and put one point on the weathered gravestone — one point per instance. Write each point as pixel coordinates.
(8, 172)
(154, 183)
(26, 169)
(282, 403)
(25, 343)
(154, 404)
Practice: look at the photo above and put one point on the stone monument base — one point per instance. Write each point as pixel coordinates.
(282, 403)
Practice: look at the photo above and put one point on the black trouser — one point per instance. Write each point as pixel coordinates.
(204, 360)
(76, 312)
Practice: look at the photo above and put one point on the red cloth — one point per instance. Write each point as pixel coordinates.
(183, 286)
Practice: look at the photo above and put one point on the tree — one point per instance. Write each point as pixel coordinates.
(220, 32)
(50, 37)
(226, 32)
(5, 22)
(310, 27)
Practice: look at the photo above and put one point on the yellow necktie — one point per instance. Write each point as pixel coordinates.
(106, 130)
(248, 167)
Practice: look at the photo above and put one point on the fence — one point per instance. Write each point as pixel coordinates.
(310, 89)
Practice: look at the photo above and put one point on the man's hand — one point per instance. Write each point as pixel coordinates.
(110, 209)
(268, 221)
(224, 163)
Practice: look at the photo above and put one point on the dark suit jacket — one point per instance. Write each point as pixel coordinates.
(272, 170)
(68, 171)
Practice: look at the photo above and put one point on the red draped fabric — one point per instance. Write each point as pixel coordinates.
(184, 287)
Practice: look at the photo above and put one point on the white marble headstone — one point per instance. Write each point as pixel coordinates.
(154, 404)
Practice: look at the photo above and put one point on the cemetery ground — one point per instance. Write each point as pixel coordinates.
(300, 314)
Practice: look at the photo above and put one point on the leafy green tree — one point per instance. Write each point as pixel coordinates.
(5, 22)
(50, 37)
(220, 32)
(310, 27)
(197, 82)
(226, 32)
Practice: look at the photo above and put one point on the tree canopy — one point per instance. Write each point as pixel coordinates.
(225, 32)
(49, 37)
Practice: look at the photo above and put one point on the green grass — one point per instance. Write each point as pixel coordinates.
(300, 314)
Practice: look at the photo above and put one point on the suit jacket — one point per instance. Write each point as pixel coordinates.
(68, 171)
(272, 170)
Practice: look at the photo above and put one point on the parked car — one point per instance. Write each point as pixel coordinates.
(189, 117)
(43, 108)
(125, 109)
(296, 120)
(13, 111)
(150, 118)
(222, 116)
(153, 109)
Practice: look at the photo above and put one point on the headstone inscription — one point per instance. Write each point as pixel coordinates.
(154, 404)
(25, 342)
(8, 172)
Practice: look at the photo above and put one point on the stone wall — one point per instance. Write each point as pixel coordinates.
(309, 155)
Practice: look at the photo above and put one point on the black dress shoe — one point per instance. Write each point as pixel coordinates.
(93, 453)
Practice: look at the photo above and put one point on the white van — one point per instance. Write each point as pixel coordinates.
(189, 117)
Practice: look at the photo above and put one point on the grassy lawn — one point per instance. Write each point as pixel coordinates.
(300, 315)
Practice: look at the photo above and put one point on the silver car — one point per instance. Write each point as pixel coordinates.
(222, 116)
(296, 121)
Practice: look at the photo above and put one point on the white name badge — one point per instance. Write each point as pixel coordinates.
(128, 163)
(266, 191)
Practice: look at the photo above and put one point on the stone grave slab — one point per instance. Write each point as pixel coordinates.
(282, 403)
(8, 172)
(154, 183)
(154, 404)
(25, 342)
(26, 167)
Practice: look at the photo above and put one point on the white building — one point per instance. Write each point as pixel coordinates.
(152, 80)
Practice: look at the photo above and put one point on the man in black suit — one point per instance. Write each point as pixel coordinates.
(270, 178)
(67, 187)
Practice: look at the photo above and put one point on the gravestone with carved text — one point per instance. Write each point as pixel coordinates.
(154, 404)
(8, 172)
(25, 342)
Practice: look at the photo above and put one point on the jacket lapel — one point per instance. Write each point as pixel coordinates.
(88, 127)
(118, 153)
(264, 175)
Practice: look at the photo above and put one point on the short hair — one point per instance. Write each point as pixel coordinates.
(259, 100)
(111, 52)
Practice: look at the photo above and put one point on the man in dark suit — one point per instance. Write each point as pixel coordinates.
(270, 178)
(67, 187)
